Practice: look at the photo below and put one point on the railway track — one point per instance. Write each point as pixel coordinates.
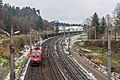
(76, 73)
(50, 68)
(34, 73)
(36, 70)
(55, 72)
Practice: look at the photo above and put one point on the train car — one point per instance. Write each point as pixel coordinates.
(36, 56)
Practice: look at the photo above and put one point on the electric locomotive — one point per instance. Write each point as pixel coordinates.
(36, 56)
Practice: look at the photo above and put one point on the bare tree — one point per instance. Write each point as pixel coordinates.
(88, 23)
(116, 15)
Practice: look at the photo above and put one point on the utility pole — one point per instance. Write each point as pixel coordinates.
(54, 30)
(57, 28)
(30, 41)
(47, 32)
(39, 29)
(88, 32)
(64, 36)
(64, 31)
(12, 73)
(109, 47)
(115, 33)
(69, 41)
(30, 33)
(39, 37)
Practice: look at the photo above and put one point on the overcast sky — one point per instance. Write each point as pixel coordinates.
(72, 11)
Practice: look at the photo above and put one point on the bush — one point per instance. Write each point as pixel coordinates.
(3, 62)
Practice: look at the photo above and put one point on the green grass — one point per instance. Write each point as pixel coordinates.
(4, 62)
(82, 38)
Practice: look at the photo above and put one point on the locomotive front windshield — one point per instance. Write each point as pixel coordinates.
(35, 54)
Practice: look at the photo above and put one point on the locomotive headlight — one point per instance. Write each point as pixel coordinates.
(35, 59)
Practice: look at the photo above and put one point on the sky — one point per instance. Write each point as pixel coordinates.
(70, 11)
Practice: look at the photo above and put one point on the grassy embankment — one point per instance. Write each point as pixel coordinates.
(97, 52)
(19, 42)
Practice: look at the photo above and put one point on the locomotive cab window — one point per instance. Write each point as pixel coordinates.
(35, 55)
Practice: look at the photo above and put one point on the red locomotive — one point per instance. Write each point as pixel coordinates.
(36, 56)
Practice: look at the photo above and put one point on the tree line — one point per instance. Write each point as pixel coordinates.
(56, 22)
(97, 28)
(21, 19)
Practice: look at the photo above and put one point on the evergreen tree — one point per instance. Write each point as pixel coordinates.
(102, 27)
(95, 25)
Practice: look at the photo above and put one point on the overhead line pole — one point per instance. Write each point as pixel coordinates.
(12, 73)
(69, 41)
(30, 40)
(64, 36)
(109, 48)
(30, 33)
(39, 37)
